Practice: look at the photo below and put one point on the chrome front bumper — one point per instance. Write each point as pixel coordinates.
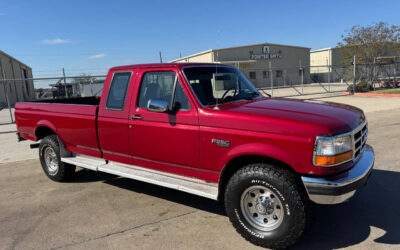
(339, 188)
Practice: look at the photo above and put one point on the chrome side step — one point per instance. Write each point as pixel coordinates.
(84, 161)
(185, 184)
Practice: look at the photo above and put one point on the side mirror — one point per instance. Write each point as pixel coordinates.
(157, 105)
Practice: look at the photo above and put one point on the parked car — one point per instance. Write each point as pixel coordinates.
(206, 130)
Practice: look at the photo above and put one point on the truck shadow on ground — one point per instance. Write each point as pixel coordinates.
(376, 205)
(333, 226)
(172, 195)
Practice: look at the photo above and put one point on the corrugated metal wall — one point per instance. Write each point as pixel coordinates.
(18, 90)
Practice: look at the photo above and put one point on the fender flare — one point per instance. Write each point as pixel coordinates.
(47, 124)
(259, 149)
(256, 150)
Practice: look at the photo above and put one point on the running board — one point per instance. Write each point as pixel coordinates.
(185, 184)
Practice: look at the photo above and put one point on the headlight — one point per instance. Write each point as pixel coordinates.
(332, 150)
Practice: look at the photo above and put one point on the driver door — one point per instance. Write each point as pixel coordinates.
(165, 141)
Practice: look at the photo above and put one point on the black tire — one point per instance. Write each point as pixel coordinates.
(60, 171)
(251, 183)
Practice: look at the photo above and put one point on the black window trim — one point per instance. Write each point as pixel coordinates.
(126, 93)
(176, 72)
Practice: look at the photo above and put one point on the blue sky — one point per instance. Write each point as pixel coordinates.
(91, 36)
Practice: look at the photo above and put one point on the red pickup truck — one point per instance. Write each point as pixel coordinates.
(204, 129)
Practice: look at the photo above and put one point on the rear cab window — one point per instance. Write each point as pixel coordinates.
(118, 90)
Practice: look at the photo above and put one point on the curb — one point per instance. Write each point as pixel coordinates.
(371, 94)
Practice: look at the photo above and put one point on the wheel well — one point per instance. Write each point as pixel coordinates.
(237, 163)
(43, 131)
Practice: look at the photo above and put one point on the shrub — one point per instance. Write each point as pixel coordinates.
(362, 86)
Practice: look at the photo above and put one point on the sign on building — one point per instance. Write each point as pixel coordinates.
(266, 54)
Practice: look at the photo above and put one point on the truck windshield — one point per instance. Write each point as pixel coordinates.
(215, 85)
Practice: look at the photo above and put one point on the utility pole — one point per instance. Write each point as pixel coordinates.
(271, 77)
(160, 57)
(302, 77)
(329, 74)
(373, 74)
(65, 84)
(354, 74)
(394, 73)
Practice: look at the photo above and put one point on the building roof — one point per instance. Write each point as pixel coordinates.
(192, 55)
(162, 65)
(324, 49)
(259, 44)
(13, 58)
(241, 46)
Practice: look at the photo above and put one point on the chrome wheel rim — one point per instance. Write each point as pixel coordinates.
(51, 160)
(262, 208)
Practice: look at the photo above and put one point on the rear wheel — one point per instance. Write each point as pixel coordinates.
(266, 205)
(49, 154)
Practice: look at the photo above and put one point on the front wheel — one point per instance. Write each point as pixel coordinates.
(49, 154)
(266, 205)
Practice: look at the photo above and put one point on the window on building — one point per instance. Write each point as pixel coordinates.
(159, 85)
(117, 93)
(265, 74)
(279, 73)
(252, 75)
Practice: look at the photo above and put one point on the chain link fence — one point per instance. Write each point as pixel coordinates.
(379, 75)
(301, 81)
(324, 80)
(310, 82)
(23, 90)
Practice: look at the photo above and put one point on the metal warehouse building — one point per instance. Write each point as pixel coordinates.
(262, 63)
(16, 91)
(325, 64)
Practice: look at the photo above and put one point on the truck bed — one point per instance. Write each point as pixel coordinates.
(73, 120)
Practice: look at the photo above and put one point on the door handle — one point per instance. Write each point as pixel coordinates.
(136, 117)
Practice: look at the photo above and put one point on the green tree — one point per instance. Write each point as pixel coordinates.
(369, 42)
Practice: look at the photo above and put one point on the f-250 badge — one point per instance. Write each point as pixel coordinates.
(221, 143)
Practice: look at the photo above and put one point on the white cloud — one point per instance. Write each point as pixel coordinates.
(96, 56)
(56, 41)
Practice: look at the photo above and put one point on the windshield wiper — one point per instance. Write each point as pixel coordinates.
(247, 96)
(251, 95)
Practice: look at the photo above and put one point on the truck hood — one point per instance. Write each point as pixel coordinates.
(292, 116)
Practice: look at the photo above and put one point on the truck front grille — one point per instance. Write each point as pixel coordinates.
(360, 139)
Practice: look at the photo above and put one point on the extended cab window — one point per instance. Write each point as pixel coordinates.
(117, 93)
(159, 85)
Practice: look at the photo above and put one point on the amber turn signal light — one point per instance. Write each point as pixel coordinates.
(333, 160)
